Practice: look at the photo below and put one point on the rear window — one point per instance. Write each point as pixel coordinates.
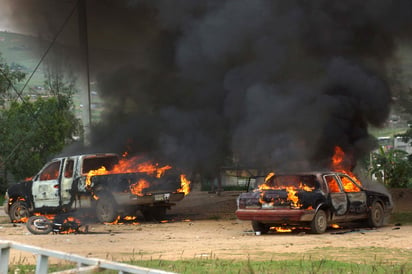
(305, 182)
(93, 163)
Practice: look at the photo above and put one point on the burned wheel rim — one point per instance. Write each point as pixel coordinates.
(18, 211)
(376, 215)
(319, 222)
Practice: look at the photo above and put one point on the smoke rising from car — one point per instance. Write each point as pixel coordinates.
(274, 84)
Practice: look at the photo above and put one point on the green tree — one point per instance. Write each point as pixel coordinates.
(392, 167)
(33, 131)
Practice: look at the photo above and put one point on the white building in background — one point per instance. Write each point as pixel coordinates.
(400, 144)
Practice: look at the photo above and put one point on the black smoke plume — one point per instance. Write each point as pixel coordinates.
(204, 84)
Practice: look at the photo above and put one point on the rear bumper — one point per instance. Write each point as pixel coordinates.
(276, 215)
(127, 199)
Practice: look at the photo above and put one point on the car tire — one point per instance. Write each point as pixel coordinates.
(376, 215)
(18, 211)
(106, 209)
(258, 226)
(319, 223)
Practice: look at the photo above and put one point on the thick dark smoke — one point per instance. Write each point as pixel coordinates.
(203, 84)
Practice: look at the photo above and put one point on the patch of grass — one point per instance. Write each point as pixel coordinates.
(318, 260)
(286, 266)
(362, 255)
(24, 268)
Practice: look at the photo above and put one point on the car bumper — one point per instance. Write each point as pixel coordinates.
(276, 216)
(158, 198)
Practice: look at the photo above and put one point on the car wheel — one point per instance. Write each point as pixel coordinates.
(18, 211)
(258, 226)
(319, 222)
(376, 215)
(106, 210)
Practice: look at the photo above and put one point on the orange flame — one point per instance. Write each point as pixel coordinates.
(281, 229)
(337, 165)
(101, 171)
(292, 196)
(115, 222)
(184, 184)
(291, 190)
(121, 221)
(137, 188)
(131, 166)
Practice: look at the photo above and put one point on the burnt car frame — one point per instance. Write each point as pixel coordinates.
(313, 199)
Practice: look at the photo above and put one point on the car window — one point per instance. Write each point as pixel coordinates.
(304, 182)
(348, 184)
(332, 184)
(51, 172)
(68, 170)
(94, 163)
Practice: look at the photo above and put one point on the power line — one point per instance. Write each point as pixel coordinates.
(19, 94)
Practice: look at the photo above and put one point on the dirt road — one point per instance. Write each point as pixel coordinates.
(204, 226)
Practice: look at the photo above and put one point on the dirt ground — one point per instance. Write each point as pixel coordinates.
(203, 225)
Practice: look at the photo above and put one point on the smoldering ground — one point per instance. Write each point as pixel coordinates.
(203, 84)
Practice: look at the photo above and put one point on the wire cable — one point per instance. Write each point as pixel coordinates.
(19, 94)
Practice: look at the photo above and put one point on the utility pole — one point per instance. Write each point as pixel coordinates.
(84, 55)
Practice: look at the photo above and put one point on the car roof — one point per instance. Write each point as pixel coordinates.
(87, 156)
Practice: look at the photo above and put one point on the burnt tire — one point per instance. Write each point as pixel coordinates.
(106, 210)
(39, 225)
(376, 215)
(319, 223)
(258, 226)
(18, 211)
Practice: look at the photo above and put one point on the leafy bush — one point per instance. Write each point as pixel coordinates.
(393, 167)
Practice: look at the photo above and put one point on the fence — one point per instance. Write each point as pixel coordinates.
(84, 265)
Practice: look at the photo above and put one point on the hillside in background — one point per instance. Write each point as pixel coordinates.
(24, 53)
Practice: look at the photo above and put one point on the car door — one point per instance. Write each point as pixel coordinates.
(338, 198)
(357, 204)
(46, 186)
(67, 181)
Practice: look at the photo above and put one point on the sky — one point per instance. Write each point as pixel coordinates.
(5, 23)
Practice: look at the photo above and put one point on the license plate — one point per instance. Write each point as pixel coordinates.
(162, 197)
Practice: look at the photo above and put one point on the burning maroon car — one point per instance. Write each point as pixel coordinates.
(312, 199)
